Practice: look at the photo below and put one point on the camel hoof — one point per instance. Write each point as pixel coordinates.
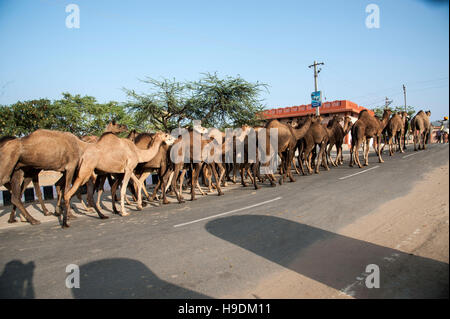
(165, 202)
(220, 194)
(10, 221)
(34, 222)
(123, 214)
(65, 225)
(104, 217)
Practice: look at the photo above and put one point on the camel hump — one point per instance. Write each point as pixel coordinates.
(106, 135)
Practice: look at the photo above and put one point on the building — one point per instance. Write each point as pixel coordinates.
(327, 111)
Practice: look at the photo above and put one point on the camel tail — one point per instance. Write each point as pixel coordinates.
(10, 151)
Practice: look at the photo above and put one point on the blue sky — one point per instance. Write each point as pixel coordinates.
(120, 42)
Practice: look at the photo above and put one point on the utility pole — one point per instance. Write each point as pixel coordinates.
(404, 95)
(316, 73)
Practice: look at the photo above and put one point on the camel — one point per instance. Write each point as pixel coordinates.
(336, 137)
(421, 128)
(288, 137)
(365, 128)
(113, 155)
(112, 127)
(30, 175)
(40, 150)
(395, 130)
(160, 163)
(317, 134)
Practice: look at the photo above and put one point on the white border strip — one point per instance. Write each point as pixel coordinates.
(359, 172)
(226, 213)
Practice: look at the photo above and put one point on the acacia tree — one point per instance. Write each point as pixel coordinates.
(218, 102)
(228, 101)
(166, 106)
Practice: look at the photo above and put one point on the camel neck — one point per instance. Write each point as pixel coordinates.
(148, 154)
(300, 132)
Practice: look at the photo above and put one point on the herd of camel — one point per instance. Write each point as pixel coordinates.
(127, 162)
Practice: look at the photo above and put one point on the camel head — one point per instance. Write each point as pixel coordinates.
(387, 113)
(428, 113)
(164, 137)
(116, 128)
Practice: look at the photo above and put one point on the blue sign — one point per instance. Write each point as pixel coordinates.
(316, 99)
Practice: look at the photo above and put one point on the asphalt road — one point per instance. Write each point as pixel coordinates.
(219, 246)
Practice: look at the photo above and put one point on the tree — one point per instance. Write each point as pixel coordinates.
(218, 102)
(164, 108)
(410, 110)
(229, 101)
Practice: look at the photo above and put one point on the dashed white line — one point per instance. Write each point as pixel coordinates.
(359, 172)
(226, 213)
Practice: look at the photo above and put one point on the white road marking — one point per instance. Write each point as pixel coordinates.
(359, 172)
(410, 155)
(230, 212)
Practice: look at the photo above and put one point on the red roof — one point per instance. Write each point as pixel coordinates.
(326, 108)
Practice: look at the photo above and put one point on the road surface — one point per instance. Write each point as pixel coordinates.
(310, 239)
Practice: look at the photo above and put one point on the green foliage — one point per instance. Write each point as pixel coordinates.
(229, 101)
(76, 114)
(164, 108)
(410, 109)
(218, 102)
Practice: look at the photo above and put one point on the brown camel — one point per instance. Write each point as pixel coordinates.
(41, 150)
(421, 127)
(336, 137)
(30, 175)
(159, 163)
(287, 141)
(395, 130)
(317, 134)
(365, 128)
(113, 155)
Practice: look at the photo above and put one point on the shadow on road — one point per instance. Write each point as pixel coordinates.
(16, 281)
(333, 259)
(126, 278)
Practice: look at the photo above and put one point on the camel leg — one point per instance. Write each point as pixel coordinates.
(216, 177)
(16, 194)
(415, 140)
(37, 189)
(194, 179)
(183, 173)
(90, 198)
(366, 152)
(113, 197)
(351, 155)
(123, 191)
(380, 160)
(139, 190)
(320, 158)
(84, 174)
(12, 216)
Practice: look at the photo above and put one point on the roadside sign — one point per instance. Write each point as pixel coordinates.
(316, 99)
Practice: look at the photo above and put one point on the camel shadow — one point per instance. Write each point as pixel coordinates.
(16, 281)
(335, 260)
(123, 278)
